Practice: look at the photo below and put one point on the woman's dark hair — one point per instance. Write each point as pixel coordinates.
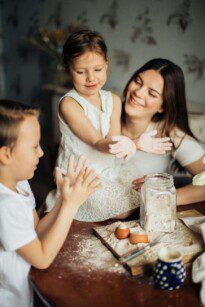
(174, 99)
(80, 42)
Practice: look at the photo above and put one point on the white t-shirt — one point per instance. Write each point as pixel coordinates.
(16, 230)
(187, 150)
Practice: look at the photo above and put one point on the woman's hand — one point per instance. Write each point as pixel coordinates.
(148, 143)
(137, 184)
(124, 148)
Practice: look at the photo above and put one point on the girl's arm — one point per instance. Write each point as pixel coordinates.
(126, 148)
(73, 114)
(115, 120)
(115, 126)
(42, 251)
(190, 193)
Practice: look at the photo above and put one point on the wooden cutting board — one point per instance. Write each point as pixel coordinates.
(188, 242)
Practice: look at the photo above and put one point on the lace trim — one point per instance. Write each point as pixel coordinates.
(108, 202)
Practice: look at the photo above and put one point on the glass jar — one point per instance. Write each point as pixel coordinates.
(158, 203)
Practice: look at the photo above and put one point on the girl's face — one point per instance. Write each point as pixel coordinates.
(89, 73)
(145, 95)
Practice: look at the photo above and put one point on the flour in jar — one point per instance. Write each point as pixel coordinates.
(158, 203)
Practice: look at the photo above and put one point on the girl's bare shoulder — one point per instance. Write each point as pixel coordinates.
(69, 108)
(117, 101)
(68, 103)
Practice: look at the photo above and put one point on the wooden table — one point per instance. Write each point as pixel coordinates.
(69, 281)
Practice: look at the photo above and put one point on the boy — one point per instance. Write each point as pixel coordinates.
(24, 240)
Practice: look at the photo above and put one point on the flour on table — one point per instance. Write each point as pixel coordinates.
(182, 238)
(121, 247)
(90, 255)
(91, 252)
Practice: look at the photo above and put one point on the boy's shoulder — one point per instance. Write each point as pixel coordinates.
(9, 198)
(8, 202)
(24, 185)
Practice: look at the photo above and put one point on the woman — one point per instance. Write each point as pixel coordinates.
(154, 98)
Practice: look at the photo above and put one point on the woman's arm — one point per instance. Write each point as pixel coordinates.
(73, 114)
(190, 193)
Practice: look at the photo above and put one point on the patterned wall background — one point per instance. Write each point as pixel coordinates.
(32, 33)
(135, 31)
(2, 74)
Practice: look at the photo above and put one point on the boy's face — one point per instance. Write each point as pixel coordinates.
(27, 151)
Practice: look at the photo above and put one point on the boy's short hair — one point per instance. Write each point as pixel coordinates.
(12, 114)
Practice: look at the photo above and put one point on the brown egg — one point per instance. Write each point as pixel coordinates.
(137, 237)
(122, 231)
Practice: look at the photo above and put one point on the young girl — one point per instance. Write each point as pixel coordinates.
(24, 240)
(89, 117)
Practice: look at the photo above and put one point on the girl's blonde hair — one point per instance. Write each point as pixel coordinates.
(12, 114)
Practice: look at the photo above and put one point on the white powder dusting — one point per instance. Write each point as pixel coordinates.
(89, 255)
(182, 238)
(92, 253)
(121, 247)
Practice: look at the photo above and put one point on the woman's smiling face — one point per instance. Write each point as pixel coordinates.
(144, 96)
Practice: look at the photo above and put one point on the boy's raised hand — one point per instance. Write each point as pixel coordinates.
(83, 184)
(148, 143)
(74, 170)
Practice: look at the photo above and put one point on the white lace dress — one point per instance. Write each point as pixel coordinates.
(116, 197)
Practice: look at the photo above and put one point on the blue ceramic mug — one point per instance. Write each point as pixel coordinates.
(169, 270)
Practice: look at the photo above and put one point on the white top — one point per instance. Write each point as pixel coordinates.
(102, 162)
(187, 150)
(16, 230)
(115, 197)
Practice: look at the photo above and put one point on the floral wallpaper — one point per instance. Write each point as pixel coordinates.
(2, 82)
(33, 33)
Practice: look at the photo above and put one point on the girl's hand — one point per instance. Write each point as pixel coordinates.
(124, 148)
(74, 170)
(148, 143)
(137, 184)
(85, 184)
